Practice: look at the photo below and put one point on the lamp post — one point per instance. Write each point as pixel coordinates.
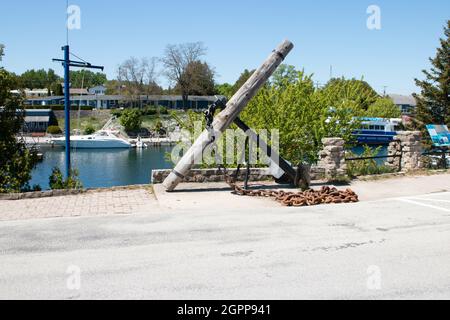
(67, 63)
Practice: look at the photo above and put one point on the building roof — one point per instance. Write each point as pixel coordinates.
(43, 90)
(37, 119)
(38, 110)
(97, 87)
(403, 100)
(121, 97)
(78, 91)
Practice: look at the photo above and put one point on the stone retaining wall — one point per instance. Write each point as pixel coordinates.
(216, 175)
(332, 158)
(330, 167)
(407, 148)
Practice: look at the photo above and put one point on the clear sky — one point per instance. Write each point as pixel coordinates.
(238, 35)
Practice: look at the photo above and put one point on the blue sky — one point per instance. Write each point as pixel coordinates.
(238, 35)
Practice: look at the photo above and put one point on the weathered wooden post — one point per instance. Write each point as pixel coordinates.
(234, 107)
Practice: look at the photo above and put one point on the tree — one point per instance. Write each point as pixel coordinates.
(138, 77)
(16, 161)
(176, 60)
(86, 79)
(57, 88)
(200, 77)
(284, 73)
(224, 89)
(153, 88)
(302, 116)
(33, 79)
(39, 79)
(384, 108)
(354, 93)
(242, 79)
(131, 119)
(434, 99)
(113, 87)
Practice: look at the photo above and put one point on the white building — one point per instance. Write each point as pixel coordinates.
(98, 90)
(35, 93)
(407, 104)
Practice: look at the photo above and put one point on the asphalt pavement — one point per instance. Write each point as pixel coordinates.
(390, 248)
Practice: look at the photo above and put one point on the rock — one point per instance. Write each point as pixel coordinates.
(333, 142)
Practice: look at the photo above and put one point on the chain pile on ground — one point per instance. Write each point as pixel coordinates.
(326, 195)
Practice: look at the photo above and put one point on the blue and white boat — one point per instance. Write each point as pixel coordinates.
(377, 130)
(103, 139)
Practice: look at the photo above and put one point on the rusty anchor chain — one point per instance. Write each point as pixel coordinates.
(326, 195)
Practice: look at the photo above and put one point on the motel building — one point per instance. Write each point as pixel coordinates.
(99, 101)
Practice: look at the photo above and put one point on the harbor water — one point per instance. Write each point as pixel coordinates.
(104, 167)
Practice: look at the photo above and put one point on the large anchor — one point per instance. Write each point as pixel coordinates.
(229, 115)
(291, 175)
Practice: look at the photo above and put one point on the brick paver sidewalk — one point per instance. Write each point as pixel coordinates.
(91, 203)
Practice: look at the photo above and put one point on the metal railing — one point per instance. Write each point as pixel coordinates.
(442, 161)
(440, 156)
(400, 155)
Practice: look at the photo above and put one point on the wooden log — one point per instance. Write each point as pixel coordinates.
(234, 107)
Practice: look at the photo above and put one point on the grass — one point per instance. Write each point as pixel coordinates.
(150, 122)
(96, 120)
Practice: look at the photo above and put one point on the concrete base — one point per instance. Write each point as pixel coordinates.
(207, 196)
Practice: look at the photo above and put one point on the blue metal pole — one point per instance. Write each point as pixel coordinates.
(67, 105)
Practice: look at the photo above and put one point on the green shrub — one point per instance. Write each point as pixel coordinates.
(131, 119)
(54, 130)
(149, 111)
(163, 110)
(116, 112)
(159, 128)
(153, 111)
(34, 188)
(57, 181)
(89, 130)
(384, 108)
(366, 167)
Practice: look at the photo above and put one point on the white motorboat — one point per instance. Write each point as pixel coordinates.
(140, 144)
(103, 139)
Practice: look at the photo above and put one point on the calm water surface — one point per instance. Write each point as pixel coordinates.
(104, 168)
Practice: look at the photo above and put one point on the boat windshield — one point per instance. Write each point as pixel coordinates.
(106, 134)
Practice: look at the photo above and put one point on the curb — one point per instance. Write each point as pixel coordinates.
(60, 193)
